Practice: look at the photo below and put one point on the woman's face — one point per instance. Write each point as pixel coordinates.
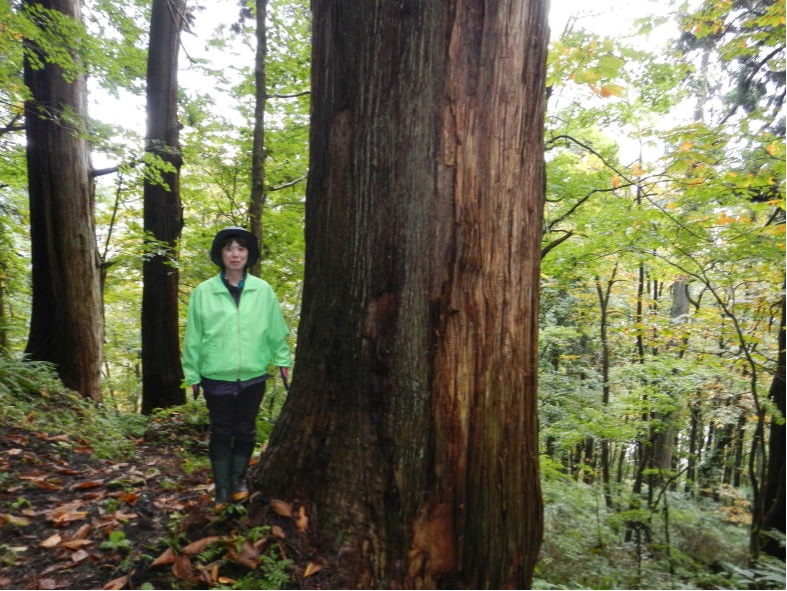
(234, 256)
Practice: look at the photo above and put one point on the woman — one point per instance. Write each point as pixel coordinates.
(235, 331)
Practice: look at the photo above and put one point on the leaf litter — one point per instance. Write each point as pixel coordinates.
(72, 521)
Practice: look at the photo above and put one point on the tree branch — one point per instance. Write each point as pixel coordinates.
(284, 96)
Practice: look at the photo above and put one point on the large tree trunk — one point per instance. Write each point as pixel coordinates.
(162, 375)
(66, 326)
(410, 433)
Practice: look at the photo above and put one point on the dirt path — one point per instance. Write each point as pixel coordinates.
(70, 521)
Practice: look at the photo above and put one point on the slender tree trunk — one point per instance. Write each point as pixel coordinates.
(162, 375)
(66, 326)
(695, 448)
(665, 437)
(257, 198)
(773, 487)
(3, 314)
(409, 435)
(604, 293)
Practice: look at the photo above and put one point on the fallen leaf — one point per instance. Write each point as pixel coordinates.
(181, 568)
(81, 532)
(214, 574)
(87, 484)
(14, 520)
(199, 545)
(65, 517)
(47, 437)
(95, 495)
(121, 516)
(76, 544)
(302, 521)
(40, 482)
(278, 532)
(118, 583)
(79, 556)
(14, 452)
(167, 557)
(130, 498)
(250, 552)
(312, 568)
(51, 541)
(282, 508)
(249, 562)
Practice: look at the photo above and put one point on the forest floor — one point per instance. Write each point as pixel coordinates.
(71, 521)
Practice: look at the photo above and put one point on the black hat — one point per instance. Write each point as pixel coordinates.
(246, 238)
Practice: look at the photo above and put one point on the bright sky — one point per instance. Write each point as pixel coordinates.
(605, 17)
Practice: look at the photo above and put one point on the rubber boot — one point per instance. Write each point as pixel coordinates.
(240, 489)
(222, 480)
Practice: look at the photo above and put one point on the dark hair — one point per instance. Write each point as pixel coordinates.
(241, 236)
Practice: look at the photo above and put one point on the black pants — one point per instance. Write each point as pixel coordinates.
(233, 421)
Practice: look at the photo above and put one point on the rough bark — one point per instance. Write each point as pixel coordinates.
(162, 375)
(66, 326)
(410, 431)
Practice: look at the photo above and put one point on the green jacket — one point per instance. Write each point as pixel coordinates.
(228, 342)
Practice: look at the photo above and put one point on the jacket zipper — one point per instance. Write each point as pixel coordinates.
(240, 346)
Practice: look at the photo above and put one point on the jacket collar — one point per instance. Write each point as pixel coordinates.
(217, 283)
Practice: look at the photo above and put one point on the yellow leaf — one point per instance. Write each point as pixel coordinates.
(637, 170)
(616, 181)
(311, 569)
(14, 520)
(608, 91)
(772, 149)
(302, 521)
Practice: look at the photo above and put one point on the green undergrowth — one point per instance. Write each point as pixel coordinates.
(685, 544)
(32, 397)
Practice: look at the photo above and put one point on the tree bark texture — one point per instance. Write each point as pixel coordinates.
(410, 433)
(162, 375)
(66, 326)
